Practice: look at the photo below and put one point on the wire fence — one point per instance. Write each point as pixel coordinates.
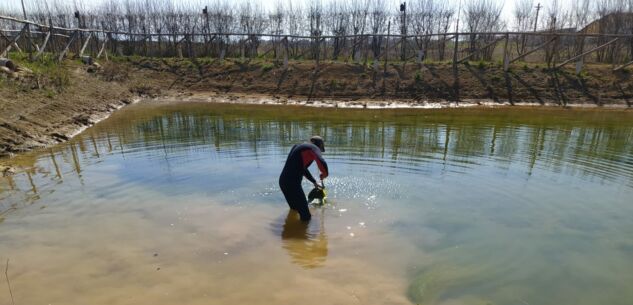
(555, 49)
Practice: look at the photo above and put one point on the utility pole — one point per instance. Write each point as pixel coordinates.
(403, 31)
(455, 50)
(205, 12)
(384, 73)
(538, 8)
(81, 35)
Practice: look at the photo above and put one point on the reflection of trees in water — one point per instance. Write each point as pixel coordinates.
(553, 145)
(588, 144)
(305, 242)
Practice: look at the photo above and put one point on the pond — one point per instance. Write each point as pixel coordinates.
(178, 203)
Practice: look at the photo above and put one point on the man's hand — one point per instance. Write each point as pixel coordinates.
(316, 185)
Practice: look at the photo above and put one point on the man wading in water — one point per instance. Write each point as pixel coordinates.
(299, 159)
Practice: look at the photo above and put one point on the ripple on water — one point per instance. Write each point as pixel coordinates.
(426, 207)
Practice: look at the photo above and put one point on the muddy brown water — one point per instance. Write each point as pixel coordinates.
(179, 204)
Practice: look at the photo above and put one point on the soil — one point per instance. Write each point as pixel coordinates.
(597, 85)
(39, 109)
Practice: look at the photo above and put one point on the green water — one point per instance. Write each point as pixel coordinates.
(179, 204)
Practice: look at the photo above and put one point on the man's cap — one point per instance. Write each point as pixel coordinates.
(318, 141)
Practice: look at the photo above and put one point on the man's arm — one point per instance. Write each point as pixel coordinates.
(308, 175)
(321, 164)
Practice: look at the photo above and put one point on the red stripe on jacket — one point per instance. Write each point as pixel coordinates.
(308, 156)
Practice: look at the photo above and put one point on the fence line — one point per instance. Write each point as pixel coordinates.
(406, 36)
(548, 47)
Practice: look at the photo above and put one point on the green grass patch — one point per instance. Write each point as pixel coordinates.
(267, 67)
(49, 73)
(583, 74)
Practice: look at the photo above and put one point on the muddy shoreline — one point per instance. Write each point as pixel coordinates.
(64, 133)
(378, 104)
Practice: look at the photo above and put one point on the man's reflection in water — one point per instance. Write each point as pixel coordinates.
(306, 242)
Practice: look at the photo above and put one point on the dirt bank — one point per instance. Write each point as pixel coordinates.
(54, 102)
(532, 84)
(49, 103)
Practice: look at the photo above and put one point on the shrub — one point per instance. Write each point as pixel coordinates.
(114, 72)
(50, 93)
(59, 77)
(267, 67)
(583, 74)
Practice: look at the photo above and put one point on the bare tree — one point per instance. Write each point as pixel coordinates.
(252, 22)
(315, 17)
(523, 21)
(612, 19)
(358, 15)
(445, 15)
(337, 24)
(555, 20)
(579, 18)
(222, 21)
(483, 16)
(423, 16)
(294, 25)
(337, 29)
(377, 22)
(277, 18)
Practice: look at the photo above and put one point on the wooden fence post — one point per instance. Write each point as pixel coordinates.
(506, 58)
(209, 46)
(103, 46)
(41, 50)
(12, 42)
(384, 73)
(579, 65)
(318, 51)
(105, 50)
(83, 48)
(587, 52)
(555, 42)
(455, 72)
(48, 36)
(355, 49)
(553, 56)
(188, 39)
(242, 47)
(29, 47)
(222, 47)
(70, 41)
(9, 41)
(286, 53)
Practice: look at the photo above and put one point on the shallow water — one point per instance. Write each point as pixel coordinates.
(179, 204)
